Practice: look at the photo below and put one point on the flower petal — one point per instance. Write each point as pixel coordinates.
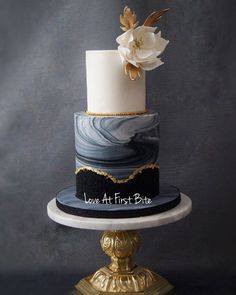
(123, 51)
(147, 66)
(125, 38)
(145, 54)
(145, 29)
(161, 43)
(149, 40)
(133, 62)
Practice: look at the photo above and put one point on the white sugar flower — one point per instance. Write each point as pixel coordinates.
(141, 47)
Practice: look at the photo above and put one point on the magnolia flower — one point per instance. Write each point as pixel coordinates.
(141, 47)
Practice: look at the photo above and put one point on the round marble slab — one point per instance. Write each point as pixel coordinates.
(175, 214)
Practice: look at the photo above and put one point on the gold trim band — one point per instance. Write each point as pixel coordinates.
(117, 180)
(116, 114)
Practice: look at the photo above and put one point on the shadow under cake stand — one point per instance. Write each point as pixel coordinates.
(120, 241)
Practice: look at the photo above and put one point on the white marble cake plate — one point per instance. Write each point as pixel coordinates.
(172, 215)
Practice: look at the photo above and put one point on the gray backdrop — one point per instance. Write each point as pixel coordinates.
(42, 83)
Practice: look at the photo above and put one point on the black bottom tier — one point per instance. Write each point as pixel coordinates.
(168, 198)
(144, 181)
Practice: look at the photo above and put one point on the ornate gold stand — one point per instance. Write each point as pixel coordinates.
(123, 276)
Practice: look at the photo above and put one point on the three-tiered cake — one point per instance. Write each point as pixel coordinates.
(117, 139)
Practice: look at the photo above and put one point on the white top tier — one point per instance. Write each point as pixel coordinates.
(109, 89)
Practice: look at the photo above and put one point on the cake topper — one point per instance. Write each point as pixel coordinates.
(139, 47)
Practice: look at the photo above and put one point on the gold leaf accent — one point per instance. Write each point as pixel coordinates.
(128, 19)
(117, 180)
(117, 114)
(132, 71)
(154, 17)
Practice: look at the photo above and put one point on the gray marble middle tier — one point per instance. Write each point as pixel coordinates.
(116, 144)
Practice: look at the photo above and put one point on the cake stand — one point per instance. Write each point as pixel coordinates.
(120, 241)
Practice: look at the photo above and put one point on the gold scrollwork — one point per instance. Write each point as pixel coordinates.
(122, 276)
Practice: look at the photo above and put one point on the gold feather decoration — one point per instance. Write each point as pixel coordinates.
(128, 19)
(132, 71)
(154, 17)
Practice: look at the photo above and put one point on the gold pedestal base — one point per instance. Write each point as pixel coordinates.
(122, 276)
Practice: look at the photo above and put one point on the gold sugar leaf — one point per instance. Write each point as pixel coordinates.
(132, 71)
(128, 19)
(117, 180)
(154, 17)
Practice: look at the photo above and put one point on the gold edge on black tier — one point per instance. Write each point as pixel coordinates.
(114, 179)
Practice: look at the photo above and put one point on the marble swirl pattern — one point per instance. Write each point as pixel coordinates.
(116, 144)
